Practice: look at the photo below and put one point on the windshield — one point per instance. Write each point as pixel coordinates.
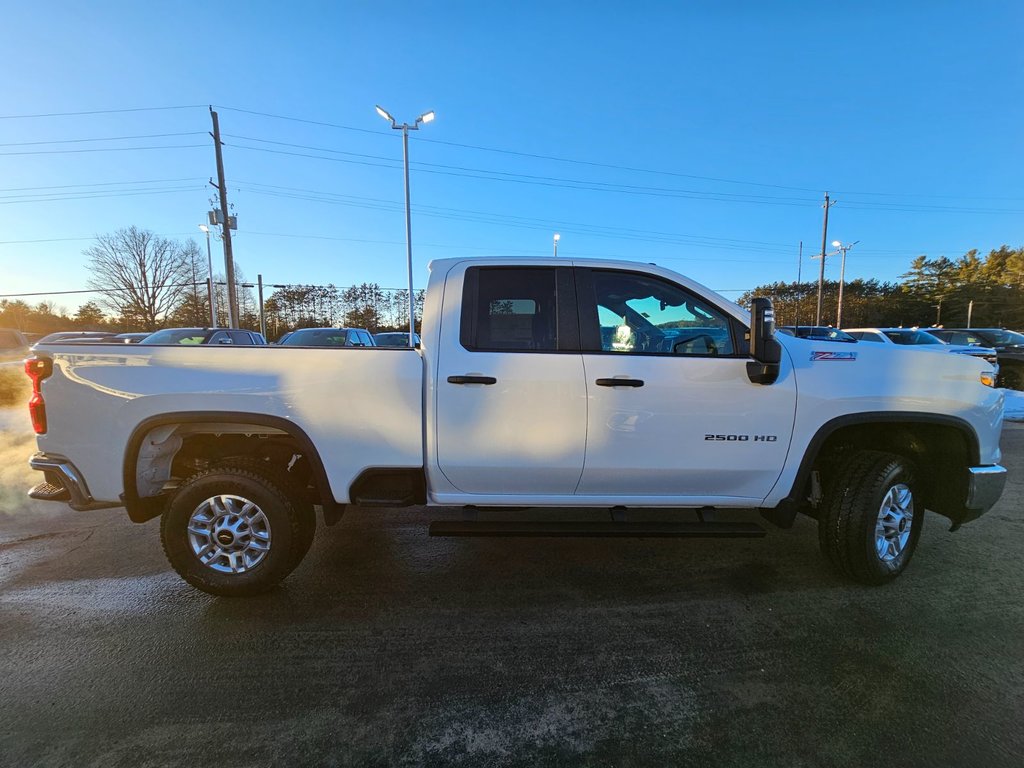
(186, 336)
(317, 337)
(912, 337)
(1004, 338)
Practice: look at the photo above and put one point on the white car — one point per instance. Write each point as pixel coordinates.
(916, 338)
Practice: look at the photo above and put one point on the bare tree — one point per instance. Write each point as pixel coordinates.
(143, 276)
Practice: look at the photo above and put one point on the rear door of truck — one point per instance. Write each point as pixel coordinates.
(511, 408)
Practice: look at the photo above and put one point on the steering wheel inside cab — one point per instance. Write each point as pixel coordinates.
(697, 344)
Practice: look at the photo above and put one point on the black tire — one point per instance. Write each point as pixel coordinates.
(851, 510)
(278, 517)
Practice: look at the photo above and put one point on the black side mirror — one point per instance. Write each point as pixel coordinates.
(764, 347)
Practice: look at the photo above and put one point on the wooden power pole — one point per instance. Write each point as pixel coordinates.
(229, 259)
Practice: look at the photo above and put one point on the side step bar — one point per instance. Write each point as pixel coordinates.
(596, 529)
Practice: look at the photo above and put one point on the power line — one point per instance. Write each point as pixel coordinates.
(106, 138)
(301, 120)
(100, 149)
(104, 184)
(100, 195)
(503, 151)
(614, 166)
(101, 112)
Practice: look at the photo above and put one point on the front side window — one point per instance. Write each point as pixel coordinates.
(510, 309)
(185, 336)
(641, 314)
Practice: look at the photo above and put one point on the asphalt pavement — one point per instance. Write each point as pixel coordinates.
(388, 647)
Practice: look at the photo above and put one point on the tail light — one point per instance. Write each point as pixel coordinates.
(38, 368)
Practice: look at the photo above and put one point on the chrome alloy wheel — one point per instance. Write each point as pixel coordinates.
(229, 534)
(895, 519)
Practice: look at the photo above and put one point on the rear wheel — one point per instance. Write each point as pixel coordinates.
(234, 531)
(870, 519)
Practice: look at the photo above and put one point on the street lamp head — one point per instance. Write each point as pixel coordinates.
(204, 228)
(836, 244)
(426, 117)
(384, 113)
(557, 237)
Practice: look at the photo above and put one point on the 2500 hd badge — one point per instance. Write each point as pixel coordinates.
(742, 438)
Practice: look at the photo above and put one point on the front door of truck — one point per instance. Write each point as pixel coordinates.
(511, 409)
(672, 412)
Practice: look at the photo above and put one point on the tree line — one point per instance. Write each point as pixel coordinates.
(934, 291)
(145, 282)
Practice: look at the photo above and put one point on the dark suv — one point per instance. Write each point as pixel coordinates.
(329, 337)
(1009, 347)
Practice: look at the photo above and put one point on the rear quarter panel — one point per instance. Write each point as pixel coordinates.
(361, 407)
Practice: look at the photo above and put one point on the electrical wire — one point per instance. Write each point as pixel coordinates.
(102, 112)
(106, 138)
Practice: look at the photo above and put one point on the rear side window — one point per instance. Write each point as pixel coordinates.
(510, 309)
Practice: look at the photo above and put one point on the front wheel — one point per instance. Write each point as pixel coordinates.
(870, 518)
(233, 531)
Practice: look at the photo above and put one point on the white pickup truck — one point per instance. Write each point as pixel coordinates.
(538, 383)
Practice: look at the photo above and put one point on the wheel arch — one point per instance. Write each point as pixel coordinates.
(942, 446)
(143, 508)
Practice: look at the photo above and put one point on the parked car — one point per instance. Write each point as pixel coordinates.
(917, 338)
(196, 336)
(130, 338)
(13, 344)
(395, 339)
(1008, 345)
(329, 337)
(816, 332)
(65, 337)
(284, 337)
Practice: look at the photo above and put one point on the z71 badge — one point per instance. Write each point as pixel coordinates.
(846, 356)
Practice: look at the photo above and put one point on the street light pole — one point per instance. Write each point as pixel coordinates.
(842, 275)
(821, 269)
(209, 283)
(555, 239)
(426, 117)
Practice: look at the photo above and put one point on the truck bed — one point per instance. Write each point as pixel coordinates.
(362, 407)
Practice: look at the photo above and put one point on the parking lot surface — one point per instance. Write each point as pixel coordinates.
(388, 647)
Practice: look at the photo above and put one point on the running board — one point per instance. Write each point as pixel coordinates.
(596, 529)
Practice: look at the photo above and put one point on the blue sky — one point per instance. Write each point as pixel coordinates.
(698, 135)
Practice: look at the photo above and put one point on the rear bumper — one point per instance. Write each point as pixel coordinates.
(63, 483)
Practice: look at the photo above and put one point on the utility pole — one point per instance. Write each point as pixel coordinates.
(842, 278)
(821, 271)
(799, 270)
(229, 259)
(970, 311)
(263, 319)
